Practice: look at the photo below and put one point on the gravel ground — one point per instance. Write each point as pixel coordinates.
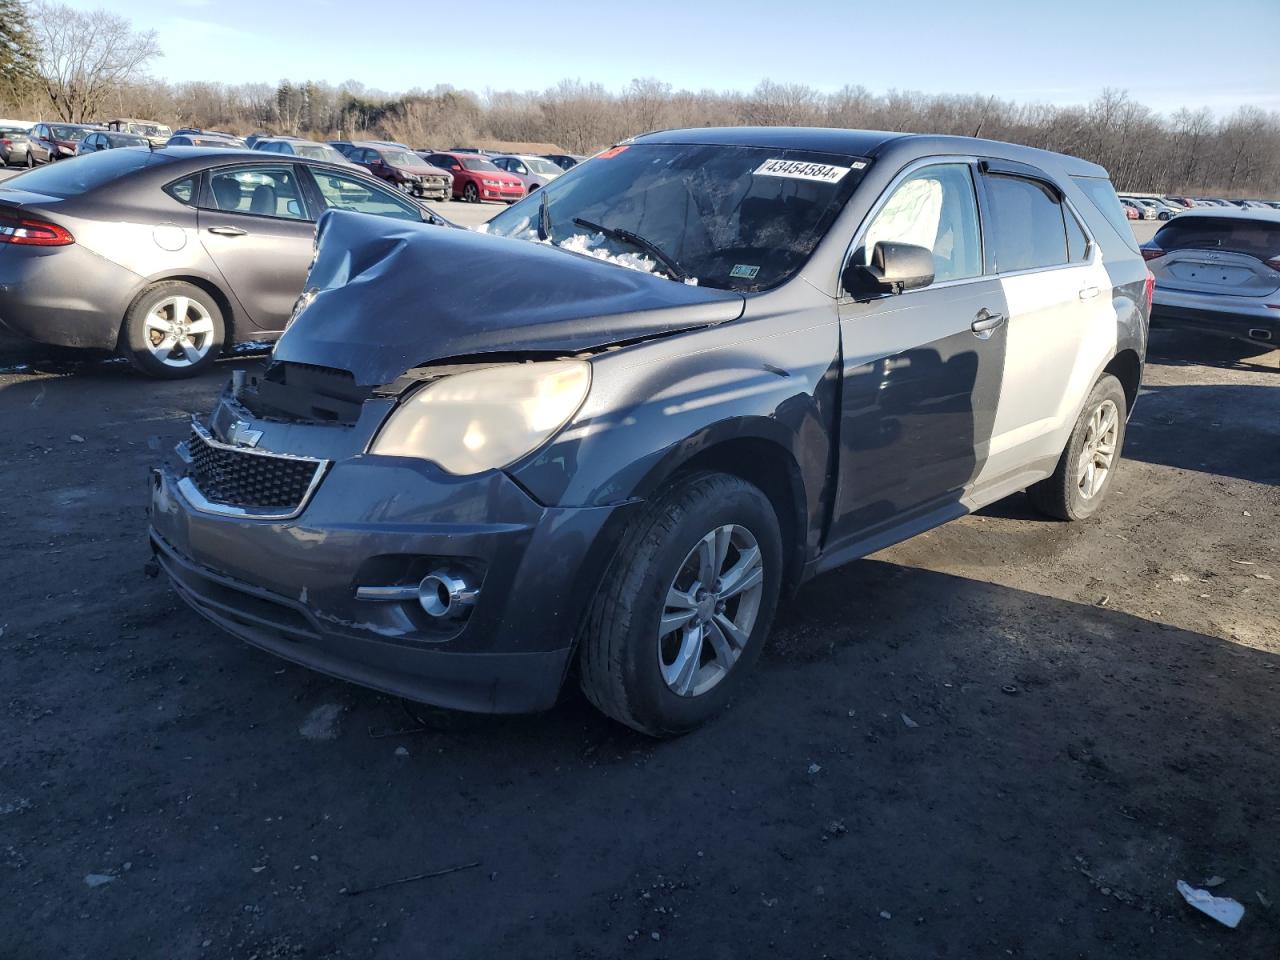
(1008, 737)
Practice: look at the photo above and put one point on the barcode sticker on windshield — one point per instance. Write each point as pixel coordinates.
(801, 170)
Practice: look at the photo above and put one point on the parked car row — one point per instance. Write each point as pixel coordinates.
(1152, 207)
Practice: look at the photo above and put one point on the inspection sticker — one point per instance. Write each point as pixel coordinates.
(746, 271)
(801, 170)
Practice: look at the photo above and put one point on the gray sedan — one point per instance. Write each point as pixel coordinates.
(171, 255)
(1218, 271)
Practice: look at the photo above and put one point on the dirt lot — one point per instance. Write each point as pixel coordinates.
(1009, 737)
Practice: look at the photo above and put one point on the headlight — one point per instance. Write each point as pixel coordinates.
(491, 183)
(472, 422)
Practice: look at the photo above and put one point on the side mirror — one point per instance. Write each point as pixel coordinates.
(894, 268)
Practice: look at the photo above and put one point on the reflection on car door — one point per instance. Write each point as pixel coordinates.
(920, 382)
(255, 223)
(1062, 322)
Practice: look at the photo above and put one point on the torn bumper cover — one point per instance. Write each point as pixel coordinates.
(290, 585)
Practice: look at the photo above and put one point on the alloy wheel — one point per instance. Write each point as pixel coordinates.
(178, 331)
(710, 610)
(1097, 455)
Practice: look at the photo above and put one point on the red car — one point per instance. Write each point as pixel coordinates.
(476, 179)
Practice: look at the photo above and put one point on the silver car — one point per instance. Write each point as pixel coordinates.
(1218, 271)
(533, 172)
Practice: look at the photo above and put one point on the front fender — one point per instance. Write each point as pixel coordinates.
(647, 418)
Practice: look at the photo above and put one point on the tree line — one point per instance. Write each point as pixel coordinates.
(60, 63)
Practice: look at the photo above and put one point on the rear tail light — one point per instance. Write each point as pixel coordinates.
(1150, 253)
(1149, 288)
(34, 233)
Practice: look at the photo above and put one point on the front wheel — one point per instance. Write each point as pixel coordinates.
(1087, 467)
(470, 193)
(684, 607)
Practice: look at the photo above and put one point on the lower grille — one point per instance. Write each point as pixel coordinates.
(252, 479)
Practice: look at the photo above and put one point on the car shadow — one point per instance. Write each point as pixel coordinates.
(975, 751)
(1172, 347)
(1227, 429)
(19, 356)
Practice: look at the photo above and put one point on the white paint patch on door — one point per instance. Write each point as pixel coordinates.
(1062, 330)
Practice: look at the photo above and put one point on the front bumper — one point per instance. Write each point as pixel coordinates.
(431, 191)
(1242, 318)
(289, 586)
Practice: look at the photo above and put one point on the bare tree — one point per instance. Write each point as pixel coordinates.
(94, 61)
(85, 56)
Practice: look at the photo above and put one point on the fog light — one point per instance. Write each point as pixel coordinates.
(445, 596)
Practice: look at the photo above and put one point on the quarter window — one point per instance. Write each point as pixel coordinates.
(259, 190)
(934, 208)
(1026, 229)
(1077, 242)
(347, 193)
(182, 190)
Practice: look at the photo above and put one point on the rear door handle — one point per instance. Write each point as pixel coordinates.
(1088, 293)
(986, 322)
(228, 231)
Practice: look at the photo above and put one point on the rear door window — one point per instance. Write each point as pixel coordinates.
(1025, 227)
(341, 192)
(1256, 238)
(262, 191)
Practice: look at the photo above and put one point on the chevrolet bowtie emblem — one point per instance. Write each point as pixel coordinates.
(239, 434)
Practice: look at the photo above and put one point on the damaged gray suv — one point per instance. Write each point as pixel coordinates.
(603, 436)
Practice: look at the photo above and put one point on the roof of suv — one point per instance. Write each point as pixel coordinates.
(1226, 213)
(870, 143)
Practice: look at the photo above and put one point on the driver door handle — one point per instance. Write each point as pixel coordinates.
(228, 231)
(1088, 293)
(986, 322)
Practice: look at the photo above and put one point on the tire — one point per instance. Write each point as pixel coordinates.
(31, 161)
(630, 672)
(470, 193)
(154, 313)
(1063, 494)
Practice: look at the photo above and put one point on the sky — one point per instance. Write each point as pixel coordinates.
(1167, 53)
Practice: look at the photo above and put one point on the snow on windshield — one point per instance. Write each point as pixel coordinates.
(590, 245)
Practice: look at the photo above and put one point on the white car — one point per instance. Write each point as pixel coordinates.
(533, 172)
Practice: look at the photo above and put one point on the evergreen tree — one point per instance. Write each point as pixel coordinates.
(17, 51)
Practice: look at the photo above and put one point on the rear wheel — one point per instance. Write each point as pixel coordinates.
(685, 606)
(1085, 471)
(173, 330)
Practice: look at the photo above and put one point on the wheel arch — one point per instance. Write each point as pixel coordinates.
(761, 460)
(1126, 367)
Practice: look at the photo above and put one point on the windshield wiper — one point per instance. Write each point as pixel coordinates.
(544, 217)
(626, 236)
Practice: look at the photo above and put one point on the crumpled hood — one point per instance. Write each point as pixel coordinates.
(388, 295)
